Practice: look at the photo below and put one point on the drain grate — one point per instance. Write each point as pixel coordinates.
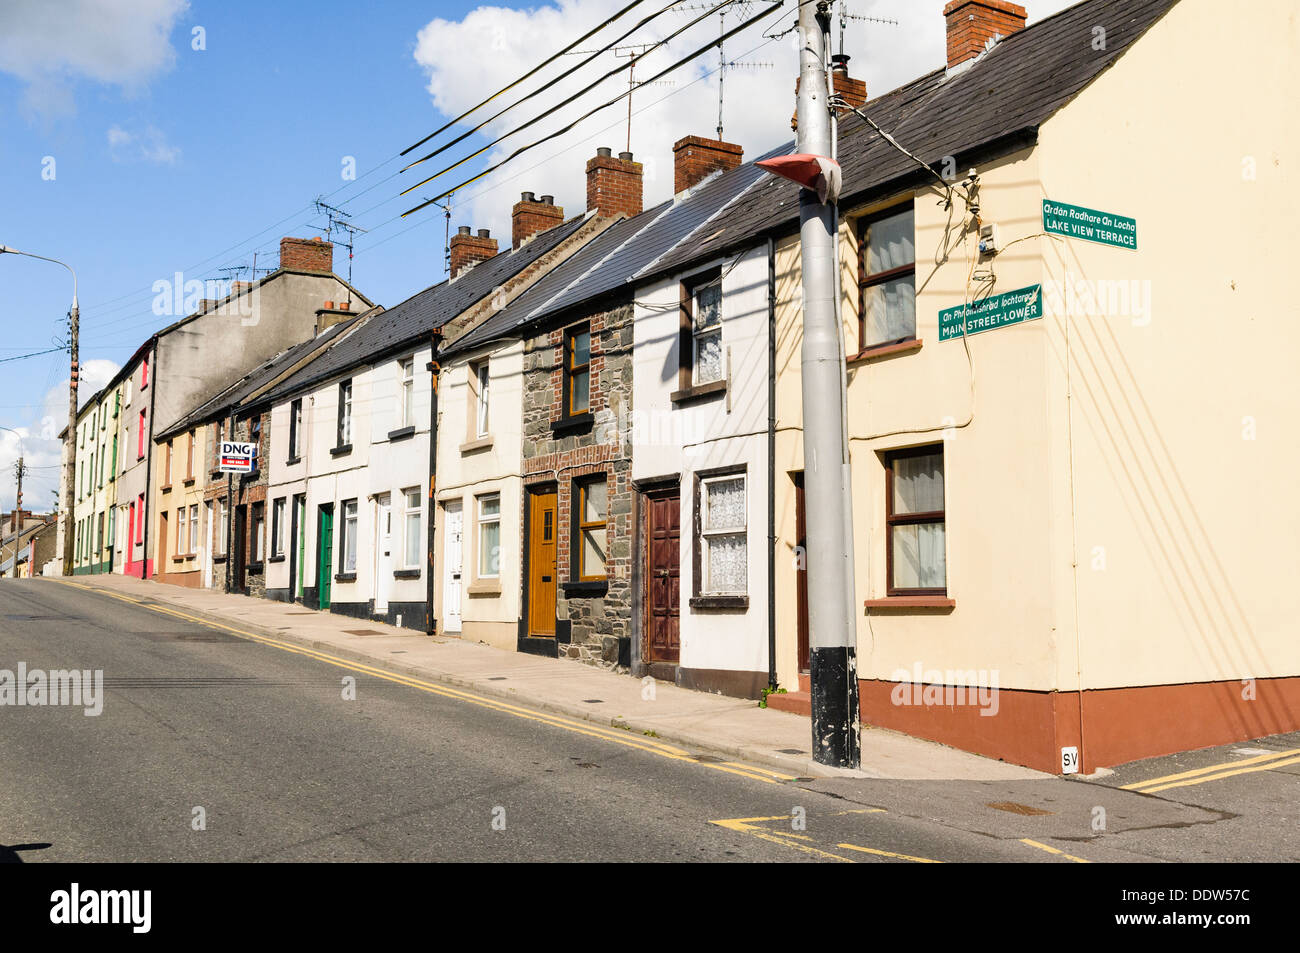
(363, 632)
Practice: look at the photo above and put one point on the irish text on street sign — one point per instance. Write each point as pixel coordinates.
(995, 311)
(236, 457)
(1104, 228)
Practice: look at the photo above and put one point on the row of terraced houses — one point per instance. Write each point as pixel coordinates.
(1069, 430)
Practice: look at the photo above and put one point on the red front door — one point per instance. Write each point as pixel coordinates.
(663, 576)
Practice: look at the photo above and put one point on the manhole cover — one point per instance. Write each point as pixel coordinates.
(363, 632)
(790, 751)
(1011, 807)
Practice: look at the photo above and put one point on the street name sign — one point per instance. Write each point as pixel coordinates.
(991, 313)
(236, 457)
(1103, 228)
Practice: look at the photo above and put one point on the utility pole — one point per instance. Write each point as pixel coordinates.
(18, 506)
(828, 513)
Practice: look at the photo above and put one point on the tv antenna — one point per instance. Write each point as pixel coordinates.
(724, 64)
(336, 218)
(845, 17)
(631, 52)
(446, 242)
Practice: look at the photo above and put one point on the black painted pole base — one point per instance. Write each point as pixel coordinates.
(834, 679)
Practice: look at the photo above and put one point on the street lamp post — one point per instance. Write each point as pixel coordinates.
(70, 441)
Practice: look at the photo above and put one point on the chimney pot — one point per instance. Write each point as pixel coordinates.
(603, 152)
(696, 158)
(525, 196)
(467, 249)
(625, 156)
(548, 199)
(463, 230)
(484, 233)
(531, 216)
(972, 23)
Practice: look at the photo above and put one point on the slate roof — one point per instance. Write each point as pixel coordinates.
(1007, 93)
(220, 403)
(413, 319)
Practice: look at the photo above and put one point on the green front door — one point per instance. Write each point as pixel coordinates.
(324, 557)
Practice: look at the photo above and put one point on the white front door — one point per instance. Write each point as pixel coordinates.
(383, 552)
(451, 576)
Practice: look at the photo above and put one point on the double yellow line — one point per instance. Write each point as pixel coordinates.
(576, 726)
(1216, 772)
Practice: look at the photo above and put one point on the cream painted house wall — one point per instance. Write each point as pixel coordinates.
(470, 467)
(1129, 443)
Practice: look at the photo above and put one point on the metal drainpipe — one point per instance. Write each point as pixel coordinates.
(430, 625)
(771, 464)
(148, 469)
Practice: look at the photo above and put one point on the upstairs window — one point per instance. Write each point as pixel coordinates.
(577, 370)
(915, 555)
(345, 414)
(482, 400)
(702, 329)
(295, 429)
(887, 278)
(406, 393)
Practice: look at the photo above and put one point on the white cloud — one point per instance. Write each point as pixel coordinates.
(118, 42)
(467, 60)
(148, 145)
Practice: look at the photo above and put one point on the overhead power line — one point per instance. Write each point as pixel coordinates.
(23, 357)
(532, 72)
(559, 132)
(549, 83)
(558, 106)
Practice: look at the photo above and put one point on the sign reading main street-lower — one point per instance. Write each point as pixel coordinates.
(995, 311)
(236, 457)
(1104, 228)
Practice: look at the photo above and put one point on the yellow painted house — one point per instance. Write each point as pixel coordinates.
(1073, 452)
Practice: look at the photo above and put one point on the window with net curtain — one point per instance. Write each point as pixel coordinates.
(414, 547)
(489, 536)
(723, 546)
(887, 278)
(706, 317)
(916, 558)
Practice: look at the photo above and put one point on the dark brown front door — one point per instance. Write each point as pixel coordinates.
(663, 576)
(240, 548)
(541, 563)
(801, 570)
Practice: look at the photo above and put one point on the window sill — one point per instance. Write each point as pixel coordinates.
(165, 488)
(340, 450)
(188, 481)
(482, 443)
(275, 559)
(575, 423)
(885, 350)
(254, 567)
(698, 392)
(589, 588)
(181, 559)
(400, 434)
(721, 603)
(219, 559)
(216, 475)
(293, 461)
(406, 574)
(345, 577)
(483, 589)
(911, 602)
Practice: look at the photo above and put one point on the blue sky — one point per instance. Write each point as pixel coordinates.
(167, 158)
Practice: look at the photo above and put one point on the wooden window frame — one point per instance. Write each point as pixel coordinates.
(189, 458)
(194, 529)
(571, 370)
(867, 281)
(911, 519)
(701, 599)
(578, 499)
(295, 428)
(687, 336)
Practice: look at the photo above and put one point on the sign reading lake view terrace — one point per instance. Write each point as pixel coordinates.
(991, 313)
(1073, 221)
(236, 457)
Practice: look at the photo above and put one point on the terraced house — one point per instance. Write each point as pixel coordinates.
(349, 461)
(95, 495)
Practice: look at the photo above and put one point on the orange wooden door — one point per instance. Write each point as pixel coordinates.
(663, 577)
(542, 587)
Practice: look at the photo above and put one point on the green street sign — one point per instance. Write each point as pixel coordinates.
(1104, 228)
(995, 311)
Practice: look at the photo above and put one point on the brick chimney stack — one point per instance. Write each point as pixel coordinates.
(531, 216)
(696, 158)
(307, 254)
(613, 185)
(972, 23)
(467, 249)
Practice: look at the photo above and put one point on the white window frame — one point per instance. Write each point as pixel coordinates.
(345, 413)
(406, 391)
(413, 511)
(349, 536)
(278, 509)
(707, 533)
(480, 522)
(482, 404)
(697, 335)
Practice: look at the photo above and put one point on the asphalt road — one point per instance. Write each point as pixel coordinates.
(214, 748)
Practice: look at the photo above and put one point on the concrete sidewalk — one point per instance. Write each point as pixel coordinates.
(703, 723)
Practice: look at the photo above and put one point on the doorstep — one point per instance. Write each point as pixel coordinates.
(797, 703)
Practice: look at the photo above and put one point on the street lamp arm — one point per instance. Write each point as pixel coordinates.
(5, 249)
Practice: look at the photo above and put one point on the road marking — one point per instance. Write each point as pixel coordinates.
(557, 721)
(745, 825)
(1225, 774)
(1053, 850)
(889, 853)
(1147, 786)
(781, 777)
